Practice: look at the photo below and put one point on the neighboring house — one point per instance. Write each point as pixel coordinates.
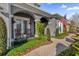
(52, 26)
(20, 19)
(58, 24)
(63, 25)
(59, 27)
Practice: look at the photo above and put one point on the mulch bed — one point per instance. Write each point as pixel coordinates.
(37, 46)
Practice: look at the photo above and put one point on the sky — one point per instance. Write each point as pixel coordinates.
(61, 8)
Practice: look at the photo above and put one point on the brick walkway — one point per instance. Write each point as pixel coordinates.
(53, 49)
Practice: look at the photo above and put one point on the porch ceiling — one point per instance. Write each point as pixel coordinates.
(32, 9)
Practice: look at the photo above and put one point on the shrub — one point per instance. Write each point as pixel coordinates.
(75, 37)
(3, 37)
(68, 52)
(77, 54)
(73, 50)
(40, 28)
(72, 27)
(61, 36)
(57, 32)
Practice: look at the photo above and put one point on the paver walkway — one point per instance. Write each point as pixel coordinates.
(53, 49)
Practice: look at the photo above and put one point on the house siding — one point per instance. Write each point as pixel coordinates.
(8, 11)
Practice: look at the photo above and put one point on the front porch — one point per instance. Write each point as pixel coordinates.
(23, 22)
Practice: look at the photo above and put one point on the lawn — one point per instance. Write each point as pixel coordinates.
(32, 42)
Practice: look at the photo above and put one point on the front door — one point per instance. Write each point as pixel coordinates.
(20, 28)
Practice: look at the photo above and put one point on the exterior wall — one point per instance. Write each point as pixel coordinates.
(60, 26)
(8, 11)
(4, 7)
(52, 26)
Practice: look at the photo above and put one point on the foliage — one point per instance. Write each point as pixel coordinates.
(56, 16)
(61, 36)
(3, 37)
(75, 37)
(72, 27)
(77, 54)
(40, 28)
(73, 50)
(68, 52)
(77, 29)
(48, 34)
(57, 32)
(32, 42)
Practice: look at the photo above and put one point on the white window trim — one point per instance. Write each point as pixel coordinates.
(19, 17)
(16, 18)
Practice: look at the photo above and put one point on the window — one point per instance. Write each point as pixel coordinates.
(18, 30)
(25, 27)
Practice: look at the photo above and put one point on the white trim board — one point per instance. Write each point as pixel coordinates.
(19, 17)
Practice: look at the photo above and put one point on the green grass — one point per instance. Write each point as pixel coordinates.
(61, 36)
(30, 44)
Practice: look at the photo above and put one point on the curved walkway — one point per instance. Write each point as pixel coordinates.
(53, 49)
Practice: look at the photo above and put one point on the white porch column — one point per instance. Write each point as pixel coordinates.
(37, 19)
(9, 28)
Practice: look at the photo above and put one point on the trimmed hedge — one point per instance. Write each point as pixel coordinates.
(3, 36)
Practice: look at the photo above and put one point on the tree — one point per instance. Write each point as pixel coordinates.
(57, 16)
(72, 27)
(75, 22)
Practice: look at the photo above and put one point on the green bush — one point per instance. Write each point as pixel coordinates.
(32, 42)
(73, 50)
(72, 27)
(75, 37)
(77, 54)
(3, 37)
(68, 52)
(61, 36)
(40, 28)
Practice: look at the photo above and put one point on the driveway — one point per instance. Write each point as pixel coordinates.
(52, 49)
